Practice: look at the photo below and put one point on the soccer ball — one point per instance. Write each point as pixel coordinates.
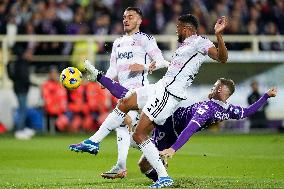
(71, 78)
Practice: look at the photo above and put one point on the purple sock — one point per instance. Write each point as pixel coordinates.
(114, 87)
(152, 174)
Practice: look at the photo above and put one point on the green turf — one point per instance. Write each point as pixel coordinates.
(207, 161)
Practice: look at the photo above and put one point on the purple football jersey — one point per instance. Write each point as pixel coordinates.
(203, 113)
(207, 113)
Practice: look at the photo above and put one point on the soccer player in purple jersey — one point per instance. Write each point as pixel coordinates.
(186, 121)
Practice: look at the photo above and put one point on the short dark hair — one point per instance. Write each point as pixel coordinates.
(229, 83)
(189, 19)
(136, 9)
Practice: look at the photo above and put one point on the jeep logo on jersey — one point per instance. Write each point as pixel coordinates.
(127, 55)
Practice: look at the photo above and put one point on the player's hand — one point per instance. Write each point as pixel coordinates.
(220, 25)
(272, 92)
(152, 67)
(128, 122)
(136, 67)
(168, 153)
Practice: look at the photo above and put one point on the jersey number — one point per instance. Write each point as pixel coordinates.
(201, 111)
(153, 105)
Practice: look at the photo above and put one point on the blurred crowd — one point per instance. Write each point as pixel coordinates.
(73, 17)
(75, 110)
(83, 109)
(104, 16)
(59, 109)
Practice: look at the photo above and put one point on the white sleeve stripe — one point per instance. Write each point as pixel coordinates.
(196, 123)
(242, 113)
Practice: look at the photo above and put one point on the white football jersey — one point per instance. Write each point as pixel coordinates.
(185, 64)
(137, 48)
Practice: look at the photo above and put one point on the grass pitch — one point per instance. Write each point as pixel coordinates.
(207, 161)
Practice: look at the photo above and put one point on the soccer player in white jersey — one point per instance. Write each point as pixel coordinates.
(159, 101)
(130, 62)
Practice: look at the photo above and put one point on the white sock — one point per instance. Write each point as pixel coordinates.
(152, 154)
(123, 143)
(113, 121)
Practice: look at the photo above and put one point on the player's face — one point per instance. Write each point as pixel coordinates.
(131, 21)
(216, 89)
(180, 31)
(183, 31)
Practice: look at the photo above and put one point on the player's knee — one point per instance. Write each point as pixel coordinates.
(128, 103)
(124, 105)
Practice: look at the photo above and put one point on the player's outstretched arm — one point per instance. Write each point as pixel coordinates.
(185, 135)
(220, 54)
(258, 104)
(272, 92)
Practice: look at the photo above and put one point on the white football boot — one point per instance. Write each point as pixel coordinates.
(92, 72)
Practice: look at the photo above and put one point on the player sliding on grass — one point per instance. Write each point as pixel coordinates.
(186, 121)
(161, 99)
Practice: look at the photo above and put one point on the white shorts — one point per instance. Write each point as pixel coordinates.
(156, 102)
(144, 94)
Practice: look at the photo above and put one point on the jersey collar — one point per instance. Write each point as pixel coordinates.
(224, 105)
(189, 38)
(132, 34)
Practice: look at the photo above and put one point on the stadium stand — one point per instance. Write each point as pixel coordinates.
(55, 30)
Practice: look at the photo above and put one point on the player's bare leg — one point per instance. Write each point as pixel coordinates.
(147, 169)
